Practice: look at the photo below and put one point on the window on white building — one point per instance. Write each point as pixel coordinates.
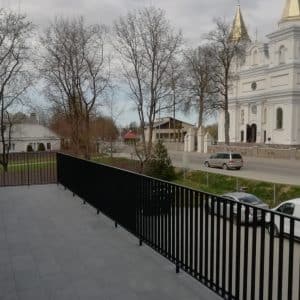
(279, 118)
(282, 55)
(29, 148)
(242, 136)
(242, 117)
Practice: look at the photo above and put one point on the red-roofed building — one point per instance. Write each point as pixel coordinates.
(130, 137)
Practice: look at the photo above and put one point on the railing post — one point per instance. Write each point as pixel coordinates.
(57, 168)
(139, 212)
(4, 177)
(27, 164)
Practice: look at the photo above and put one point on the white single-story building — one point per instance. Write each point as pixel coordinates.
(27, 137)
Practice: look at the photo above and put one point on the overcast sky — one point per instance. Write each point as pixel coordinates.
(193, 17)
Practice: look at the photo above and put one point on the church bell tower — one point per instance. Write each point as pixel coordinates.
(239, 30)
(291, 13)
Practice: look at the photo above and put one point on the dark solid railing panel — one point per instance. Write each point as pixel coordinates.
(237, 250)
(29, 168)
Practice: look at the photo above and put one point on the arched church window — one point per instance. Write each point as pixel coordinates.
(279, 118)
(242, 136)
(255, 57)
(282, 55)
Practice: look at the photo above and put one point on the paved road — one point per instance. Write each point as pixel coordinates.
(271, 170)
(276, 171)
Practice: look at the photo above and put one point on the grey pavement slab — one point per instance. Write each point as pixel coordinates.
(54, 247)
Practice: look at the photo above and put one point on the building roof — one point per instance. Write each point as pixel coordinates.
(165, 120)
(239, 30)
(130, 135)
(24, 131)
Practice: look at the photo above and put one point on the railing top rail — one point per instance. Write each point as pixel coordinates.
(140, 175)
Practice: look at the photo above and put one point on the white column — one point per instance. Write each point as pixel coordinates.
(191, 140)
(207, 142)
(200, 136)
(186, 143)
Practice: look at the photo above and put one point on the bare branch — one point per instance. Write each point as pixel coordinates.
(15, 32)
(227, 53)
(76, 68)
(147, 45)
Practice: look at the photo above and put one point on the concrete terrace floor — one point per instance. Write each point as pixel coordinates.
(54, 247)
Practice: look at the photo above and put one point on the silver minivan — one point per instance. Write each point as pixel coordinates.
(225, 160)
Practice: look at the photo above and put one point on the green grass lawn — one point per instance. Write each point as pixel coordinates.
(220, 184)
(119, 162)
(16, 167)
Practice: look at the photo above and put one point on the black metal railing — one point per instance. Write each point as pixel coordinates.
(237, 250)
(28, 168)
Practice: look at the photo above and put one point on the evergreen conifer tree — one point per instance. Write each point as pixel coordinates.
(160, 165)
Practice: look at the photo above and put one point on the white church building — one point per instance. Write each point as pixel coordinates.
(264, 102)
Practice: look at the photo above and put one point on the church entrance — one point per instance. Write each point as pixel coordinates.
(251, 133)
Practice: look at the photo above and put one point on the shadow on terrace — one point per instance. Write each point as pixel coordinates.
(89, 237)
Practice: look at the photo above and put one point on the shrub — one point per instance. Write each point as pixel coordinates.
(160, 165)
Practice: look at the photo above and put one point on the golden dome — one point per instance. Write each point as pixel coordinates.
(291, 10)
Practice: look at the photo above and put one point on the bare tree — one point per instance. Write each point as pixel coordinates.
(15, 79)
(76, 69)
(114, 112)
(178, 91)
(227, 52)
(200, 87)
(147, 45)
(101, 128)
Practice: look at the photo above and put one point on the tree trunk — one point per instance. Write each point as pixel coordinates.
(111, 147)
(201, 111)
(87, 154)
(4, 160)
(149, 145)
(226, 127)
(227, 116)
(174, 115)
